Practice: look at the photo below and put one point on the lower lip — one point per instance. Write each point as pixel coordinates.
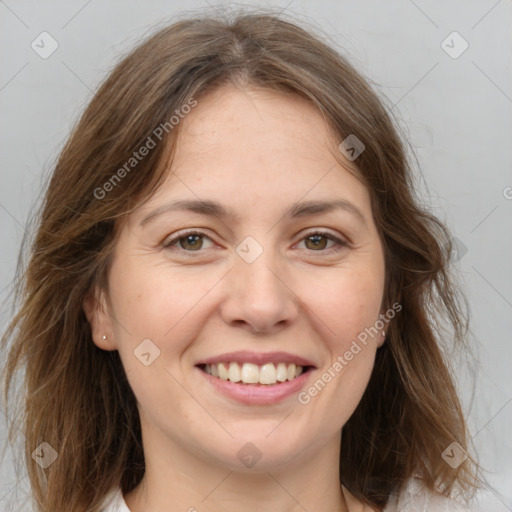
(257, 394)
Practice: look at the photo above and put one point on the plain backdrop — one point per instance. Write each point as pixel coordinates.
(454, 103)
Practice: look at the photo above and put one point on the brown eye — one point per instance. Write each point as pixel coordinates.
(323, 242)
(318, 242)
(188, 242)
(191, 242)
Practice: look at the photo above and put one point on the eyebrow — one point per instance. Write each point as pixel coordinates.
(214, 209)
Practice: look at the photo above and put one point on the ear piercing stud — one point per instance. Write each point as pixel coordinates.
(103, 337)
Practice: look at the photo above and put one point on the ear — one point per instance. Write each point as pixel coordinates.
(381, 338)
(96, 311)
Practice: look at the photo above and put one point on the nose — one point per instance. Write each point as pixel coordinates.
(257, 295)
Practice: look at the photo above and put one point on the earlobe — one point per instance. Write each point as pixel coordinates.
(96, 311)
(382, 339)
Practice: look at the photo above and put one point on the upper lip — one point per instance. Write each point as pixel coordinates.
(258, 358)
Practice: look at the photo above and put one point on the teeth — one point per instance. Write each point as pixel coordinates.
(250, 373)
(290, 372)
(268, 374)
(223, 371)
(281, 372)
(234, 373)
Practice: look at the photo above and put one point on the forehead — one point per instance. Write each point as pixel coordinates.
(255, 147)
(252, 121)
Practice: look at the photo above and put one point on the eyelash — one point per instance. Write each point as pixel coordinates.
(169, 242)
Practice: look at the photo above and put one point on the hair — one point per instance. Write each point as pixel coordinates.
(75, 396)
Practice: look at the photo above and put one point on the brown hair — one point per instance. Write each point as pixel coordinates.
(76, 397)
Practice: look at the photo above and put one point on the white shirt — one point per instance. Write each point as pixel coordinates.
(414, 498)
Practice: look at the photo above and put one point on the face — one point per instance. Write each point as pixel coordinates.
(268, 277)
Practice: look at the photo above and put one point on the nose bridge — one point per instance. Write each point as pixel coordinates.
(257, 293)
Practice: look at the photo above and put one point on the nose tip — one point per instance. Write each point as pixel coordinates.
(257, 295)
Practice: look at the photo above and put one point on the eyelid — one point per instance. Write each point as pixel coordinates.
(175, 237)
(340, 241)
(326, 232)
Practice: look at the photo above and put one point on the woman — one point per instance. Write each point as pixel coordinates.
(233, 296)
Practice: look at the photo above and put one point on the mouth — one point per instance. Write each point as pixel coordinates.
(251, 374)
(255, 378)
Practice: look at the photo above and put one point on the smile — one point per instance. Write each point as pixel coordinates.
(249, 373)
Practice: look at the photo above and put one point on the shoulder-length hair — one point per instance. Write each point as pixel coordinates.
(76, 397)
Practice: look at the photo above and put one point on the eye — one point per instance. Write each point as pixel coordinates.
(194, 241)
(191, 241)
(317, 242)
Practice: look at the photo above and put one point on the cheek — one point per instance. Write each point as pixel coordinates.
(349, 307)
(349, 304)
(156, 302)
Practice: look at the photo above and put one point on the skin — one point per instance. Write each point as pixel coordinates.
(256, 152)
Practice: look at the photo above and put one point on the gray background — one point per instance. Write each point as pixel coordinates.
(456, 111)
